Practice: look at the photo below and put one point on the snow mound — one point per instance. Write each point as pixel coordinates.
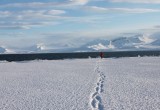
(110, 46)
(36, 48)
(40, 46)
(146, 39)
(102, 46)
(98, 47)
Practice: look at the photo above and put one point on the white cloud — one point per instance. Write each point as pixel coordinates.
(55, 12)
(124, 10)
(31, 14)
(21, 25)
(47, 4)
(38, 15)
(91, 19)
(26, 19)
(4, 14)
(29, 18)
(157, 26)
(138, 1)
(79, 2)
(33, 5)
(46, 13)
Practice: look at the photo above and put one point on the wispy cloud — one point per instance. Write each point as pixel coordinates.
(28, 18)
(157, 26)
(4, 14)
(22, 25)
(123, 10)
(79, 2)
(138, 1)
(47, 4)
(41, 14)
(90, 19)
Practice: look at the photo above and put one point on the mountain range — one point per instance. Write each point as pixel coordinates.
(135, 42)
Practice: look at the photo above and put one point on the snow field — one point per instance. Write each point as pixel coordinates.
(131, 83)
(46, 85)
(81, 84)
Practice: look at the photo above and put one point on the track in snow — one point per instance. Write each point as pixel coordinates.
(96, 100)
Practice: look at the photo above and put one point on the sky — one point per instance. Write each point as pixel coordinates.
(61, 22)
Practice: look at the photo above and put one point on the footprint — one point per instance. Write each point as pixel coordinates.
(94, 94)
(98, 98)
(100, 106)
(97, 89)
(93, 103)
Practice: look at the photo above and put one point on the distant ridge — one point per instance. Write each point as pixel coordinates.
(122, 43)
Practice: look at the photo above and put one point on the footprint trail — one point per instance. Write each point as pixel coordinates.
(96, 100)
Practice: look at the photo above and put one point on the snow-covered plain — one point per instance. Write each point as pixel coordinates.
(81, 84)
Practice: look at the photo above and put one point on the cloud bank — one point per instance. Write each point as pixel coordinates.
(123, 10)
(46, 4)
(138, 1)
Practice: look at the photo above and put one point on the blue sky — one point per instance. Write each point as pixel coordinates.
(28, 22)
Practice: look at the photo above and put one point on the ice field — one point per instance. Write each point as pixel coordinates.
(81, 84)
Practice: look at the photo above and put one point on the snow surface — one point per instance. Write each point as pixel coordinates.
(98, 47)
(131, 83)
(81, 84)
(146, 40)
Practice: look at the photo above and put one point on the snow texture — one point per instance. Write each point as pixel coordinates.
(131, 83)
(81, 84)
(98, 47)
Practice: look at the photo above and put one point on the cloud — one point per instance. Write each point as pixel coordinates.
(157, 26)
(27, 19)
(46, 13)
(123, 10)
(31, 14)
(46, 4)
(90, 19)
(138, 1)
(55, 12)
(23, 25)
(89, 33)
(79, 2)
(39, 15)
(4, 14)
